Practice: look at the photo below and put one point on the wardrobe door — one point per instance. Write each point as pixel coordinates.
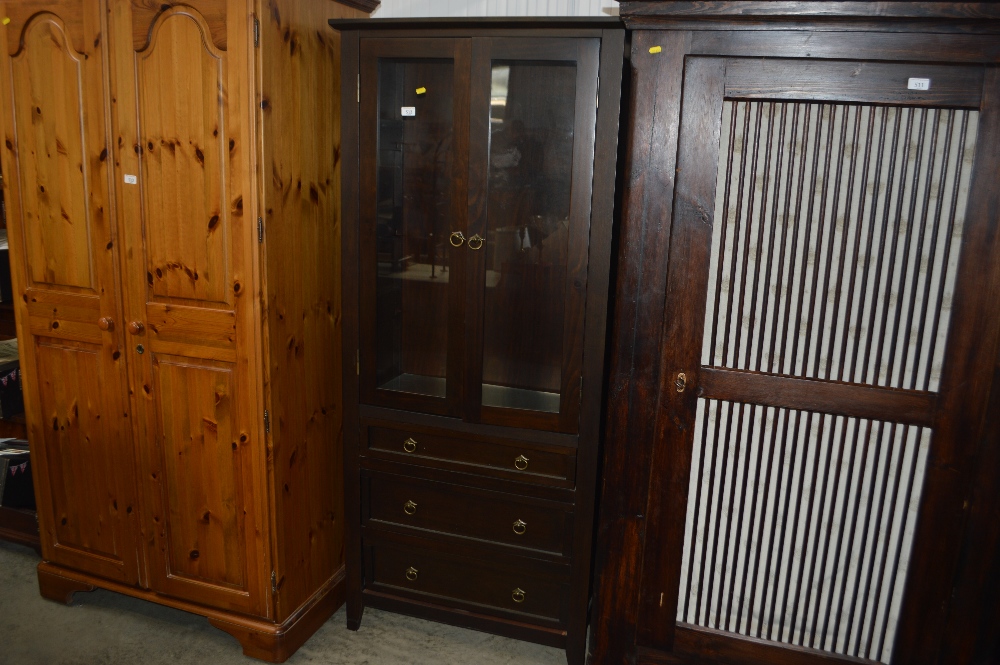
(827, 322)
(180, 81)
(63, 260)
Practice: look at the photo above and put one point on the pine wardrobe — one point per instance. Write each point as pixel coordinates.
(479, 173)
(172, 191)
(802, 442)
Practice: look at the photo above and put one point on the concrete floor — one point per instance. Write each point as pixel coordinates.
(104, 628)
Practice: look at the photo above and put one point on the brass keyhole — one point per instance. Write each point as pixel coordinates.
(411, 573)
(409, 507)
(681, 382)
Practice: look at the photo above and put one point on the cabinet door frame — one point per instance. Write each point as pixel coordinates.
(457, 51)
(586, 54)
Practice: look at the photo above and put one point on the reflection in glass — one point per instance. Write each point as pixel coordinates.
(531, 157)
(413, 213)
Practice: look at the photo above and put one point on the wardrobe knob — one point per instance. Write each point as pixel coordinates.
(520, 527)
(520, 462)
(106, 323)
(410, 508)
(518, 595)
(411, 573)
(410, 445)
(136, 327)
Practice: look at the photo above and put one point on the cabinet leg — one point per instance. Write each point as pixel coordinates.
(58, 588)
(355, 610)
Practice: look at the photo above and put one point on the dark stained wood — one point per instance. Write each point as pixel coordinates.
(948, 607)
(456, 450)
(367, 6)
(811, 9)
(859, 82)
(853, 400)
(690, 239)
(633, 381)
(965, 386)
(704, 645)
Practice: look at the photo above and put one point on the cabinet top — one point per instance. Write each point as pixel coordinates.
(481, 23)
(935, 16)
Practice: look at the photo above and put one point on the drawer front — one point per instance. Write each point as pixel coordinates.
(514, 460)
(469, 512)
(504, 587)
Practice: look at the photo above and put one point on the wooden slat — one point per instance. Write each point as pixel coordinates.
(843, 399)
(714, 646)
(814, 9)
(865, 82)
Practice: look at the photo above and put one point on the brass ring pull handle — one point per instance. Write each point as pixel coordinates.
(518, 595)
(410, 445)
(476, 242)
(411, 573)
(520, 527)
(409, 508)
(456, 239)
(136, 327)
(520, 462)
(106, 323)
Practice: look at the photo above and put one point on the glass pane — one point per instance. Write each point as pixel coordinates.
(413, 224)
(531, 157)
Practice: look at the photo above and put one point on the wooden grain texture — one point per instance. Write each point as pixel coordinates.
(812, 8)
(182, 126)
(704, 645)
(852, 400)
(633, 381)
(58, 195)
(964, 393)
(300, 166)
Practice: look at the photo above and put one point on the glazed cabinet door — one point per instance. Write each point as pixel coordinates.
(63, 249)
(414, 108)
(533, 118)
(180, 76)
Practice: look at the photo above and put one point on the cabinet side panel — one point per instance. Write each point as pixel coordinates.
(300, 92)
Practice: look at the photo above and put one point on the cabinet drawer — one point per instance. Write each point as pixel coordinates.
(525, 462)
(469, 512)
(527, 588)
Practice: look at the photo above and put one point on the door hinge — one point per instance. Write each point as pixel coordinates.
(274, 582)
(267, 422)
(256, 32)
(260, 229)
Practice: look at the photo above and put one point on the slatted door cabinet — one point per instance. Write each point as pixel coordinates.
(801, 461)
(479, 162)
(172, 192)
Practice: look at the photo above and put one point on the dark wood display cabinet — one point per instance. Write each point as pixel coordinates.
(478, 186)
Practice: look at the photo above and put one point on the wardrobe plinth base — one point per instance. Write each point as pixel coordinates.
(260, 638)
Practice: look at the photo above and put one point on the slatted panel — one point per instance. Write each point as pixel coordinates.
(836, 240)
(800, 525)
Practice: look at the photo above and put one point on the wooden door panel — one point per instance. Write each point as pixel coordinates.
(83, 484)
(64, 272)
(49, 86)
(815, 275)
(182, 120)
(197, 415)
(189, 286)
